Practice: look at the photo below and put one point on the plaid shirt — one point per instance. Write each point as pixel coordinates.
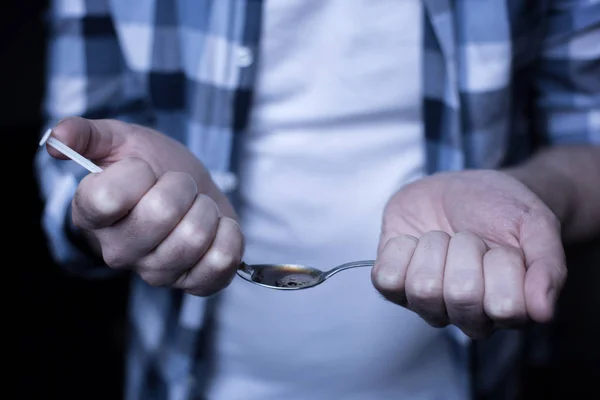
(501, 78)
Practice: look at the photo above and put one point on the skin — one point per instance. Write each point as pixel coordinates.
(484, 249)
(476, 249)
(154, 208)
(479, 249)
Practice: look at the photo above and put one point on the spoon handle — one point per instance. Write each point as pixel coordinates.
(354, 264)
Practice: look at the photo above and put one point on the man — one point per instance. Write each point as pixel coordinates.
(456, 145)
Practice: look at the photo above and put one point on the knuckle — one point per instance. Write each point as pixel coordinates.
(114, 258)
(222, 262)
(505, 309)
(104, 201)
(386, 279)
(92, 205)
(148, 263)
(162, 208)
(464, 294)
(425, 289)
(194, 235)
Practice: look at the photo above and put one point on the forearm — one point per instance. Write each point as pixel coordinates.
(567, 179)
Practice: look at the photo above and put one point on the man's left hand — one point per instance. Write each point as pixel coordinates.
(476, 249)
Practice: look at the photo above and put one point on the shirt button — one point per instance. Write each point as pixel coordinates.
(245, 57)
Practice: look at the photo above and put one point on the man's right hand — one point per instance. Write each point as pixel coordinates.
(154, 208)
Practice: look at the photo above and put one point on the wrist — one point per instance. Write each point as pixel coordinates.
(554, 189)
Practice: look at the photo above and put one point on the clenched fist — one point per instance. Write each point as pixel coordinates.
(154, 208)
(476, 249)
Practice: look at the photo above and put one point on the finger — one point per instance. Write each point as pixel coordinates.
(464, 285)
(425, 278)
(149, 222)
(504, 275)
(389, 272)
(545, 261)
(218, 266)
(185, 245)
(102, 199)
(94, 139)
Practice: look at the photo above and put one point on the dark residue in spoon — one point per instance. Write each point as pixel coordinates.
(286, 277)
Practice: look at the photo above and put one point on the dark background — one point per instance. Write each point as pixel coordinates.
(67, 341)
(68, 332)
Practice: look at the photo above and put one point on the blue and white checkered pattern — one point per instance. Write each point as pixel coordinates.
(501, 78)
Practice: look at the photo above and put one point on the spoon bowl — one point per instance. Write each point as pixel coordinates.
(291, 276)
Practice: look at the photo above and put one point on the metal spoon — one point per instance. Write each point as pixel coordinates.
(290, 276)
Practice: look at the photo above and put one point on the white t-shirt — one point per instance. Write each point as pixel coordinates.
(336, 129)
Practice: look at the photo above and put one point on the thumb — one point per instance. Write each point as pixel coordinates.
(93, 139)
(541, 242)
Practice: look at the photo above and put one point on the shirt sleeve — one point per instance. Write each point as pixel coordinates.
(567, 77)
(86, 75)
